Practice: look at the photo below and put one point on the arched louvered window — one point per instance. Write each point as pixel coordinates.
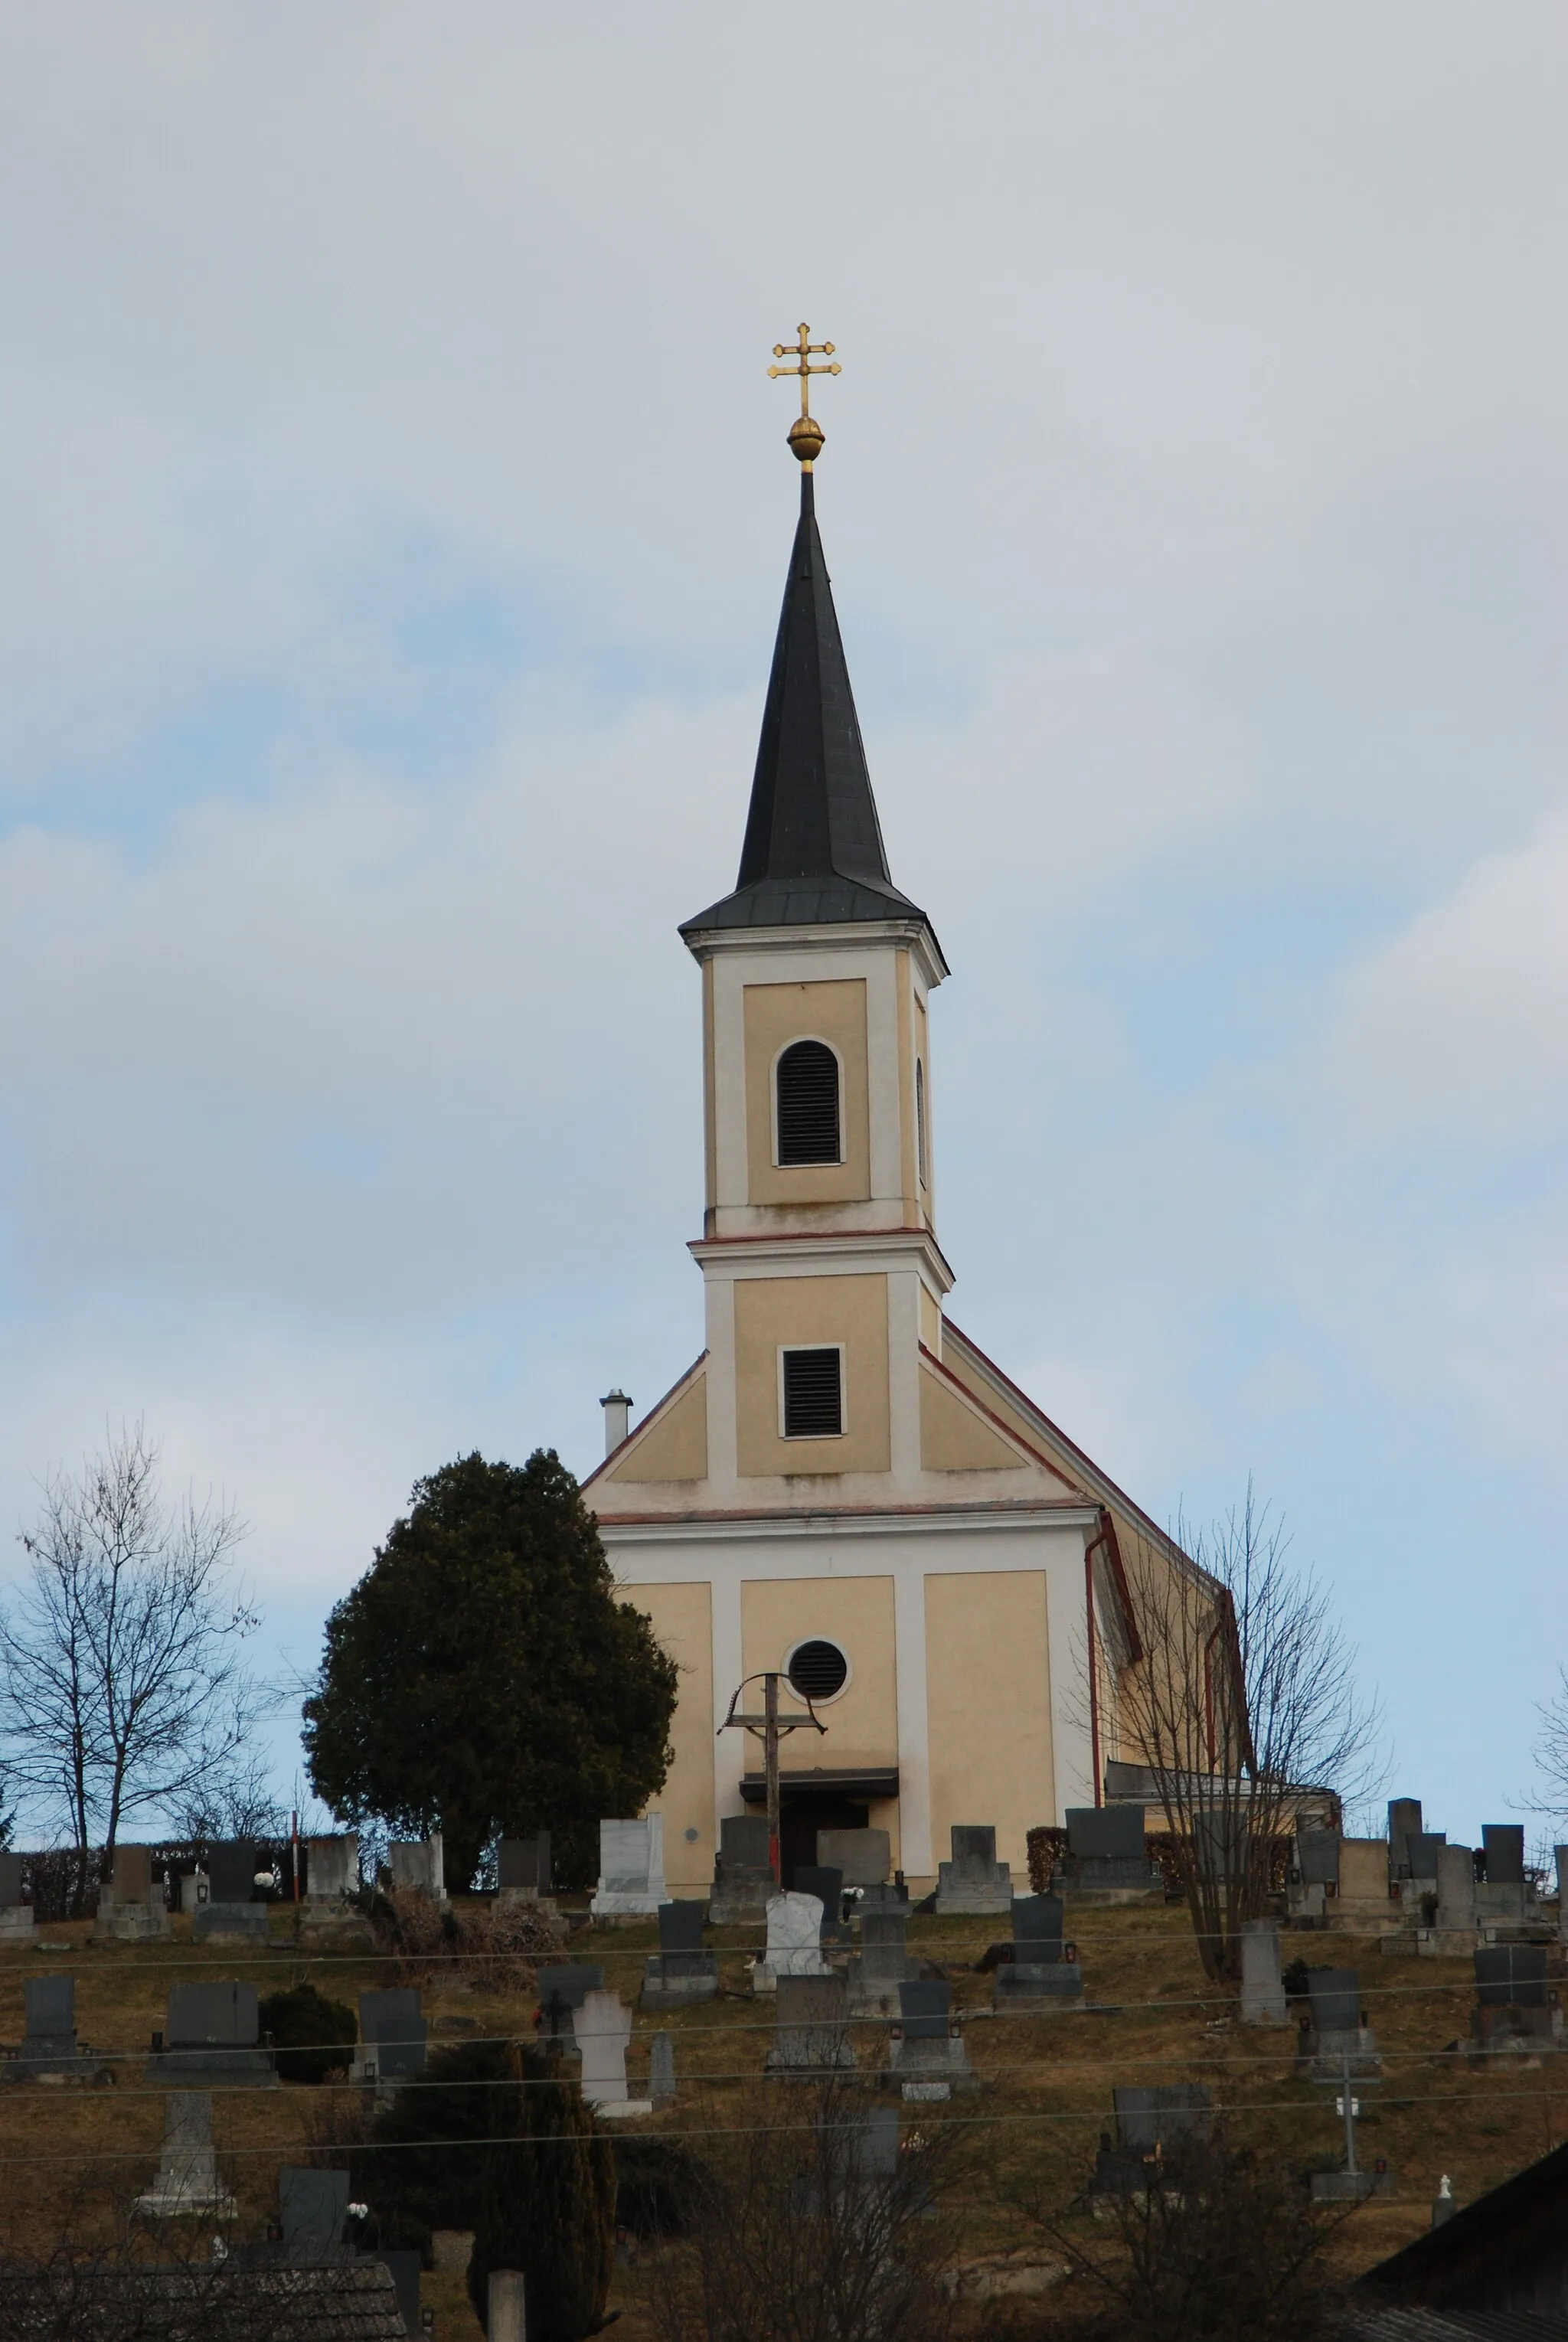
(807, 1104)
(919, 1154)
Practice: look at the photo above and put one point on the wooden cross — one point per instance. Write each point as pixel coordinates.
(805, 349)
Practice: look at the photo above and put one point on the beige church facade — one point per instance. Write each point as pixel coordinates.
(842, 1487)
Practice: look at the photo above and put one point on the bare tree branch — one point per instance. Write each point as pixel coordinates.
(124, 1686)
(1245, 1698)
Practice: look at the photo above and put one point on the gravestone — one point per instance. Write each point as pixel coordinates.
(523, 1864)
(601, 2028)
(49, 2042)
(811, 2034)
(1263, 1986)
(827, 1885)
(1510, 1975)
(312, 2212)
(418, 1865)
(506, 2306)
(680, 1972)
(1404, 1824)
(974, 1881)
(1363, 1902)
(1334, 2031)
(211, 2034)
(1148, 2121)
(330, 1869)
(883, 1965)
(1560, 1855)
(631, 1868)
(1222, 1842)
(795, 1940)
(16, 1917)
(393, 2033)
(863, 1857)
(194, 1887)
(662, 2071)
(1421, 1851)
(742, 1880)
(1512, 2009)
(1503, 1845)
(1456, 1897)
(1317, 1858)
(562, 1992)
(229, 1909)
(1107, 1852)
(187, 2180)
(1037, 1975)
(131, 1907)
(925, 2057)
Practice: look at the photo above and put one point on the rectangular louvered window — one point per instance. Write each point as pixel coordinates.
(813, 1384)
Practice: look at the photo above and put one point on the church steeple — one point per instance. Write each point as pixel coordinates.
(812, 852)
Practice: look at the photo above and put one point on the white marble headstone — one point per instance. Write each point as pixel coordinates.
(188, 2177)
(631, 1867)
(601, 2028)
(794, 1935)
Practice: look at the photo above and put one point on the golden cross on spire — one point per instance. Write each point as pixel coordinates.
(806, 435)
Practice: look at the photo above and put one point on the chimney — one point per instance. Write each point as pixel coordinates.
(617, 1409)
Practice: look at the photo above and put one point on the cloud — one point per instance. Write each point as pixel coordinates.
(1459, 1024)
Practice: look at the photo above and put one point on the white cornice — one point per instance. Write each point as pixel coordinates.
(683, 1528)
(703, 942)
(797, 1256)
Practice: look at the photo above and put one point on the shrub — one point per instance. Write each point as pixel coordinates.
(313, 2037)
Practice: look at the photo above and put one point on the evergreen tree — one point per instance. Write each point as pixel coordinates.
(481, 1679)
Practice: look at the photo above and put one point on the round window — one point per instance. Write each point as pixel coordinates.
(817, 1670)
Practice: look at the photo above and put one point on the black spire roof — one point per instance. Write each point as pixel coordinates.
(814, 851)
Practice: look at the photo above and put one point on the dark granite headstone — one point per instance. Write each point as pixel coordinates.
(1317, 1858)
(1106, 1833)
(313, 2212)
(923, 2009)
(827, 1885)
(523, 1864)
(1510, 1975)
(392, 2028)
(681, 1926)
(10, 1881)
(563, 1990)
(1335, 1997)
(230, 1873)
(1420, 1853)
(212, 2016)
(974, 1854)
(1220, 1839)
(1404, 1824)
(1037, 1928)
(51, 2004)
(1172, 2114)
(743, 1842)
(1504, 1845)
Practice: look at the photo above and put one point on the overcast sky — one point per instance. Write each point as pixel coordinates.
(395, 508)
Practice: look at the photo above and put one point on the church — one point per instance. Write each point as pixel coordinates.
(843, 1487)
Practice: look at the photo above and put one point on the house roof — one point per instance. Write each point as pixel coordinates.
(1505, 2243)
(343, 2301)
(812, 853)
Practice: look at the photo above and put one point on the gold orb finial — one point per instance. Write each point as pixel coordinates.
(806, 433)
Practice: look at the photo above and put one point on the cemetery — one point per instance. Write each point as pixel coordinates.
(1078, 2017)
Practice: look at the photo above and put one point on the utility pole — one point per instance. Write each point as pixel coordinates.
(770, 1729)
(1348, 2108)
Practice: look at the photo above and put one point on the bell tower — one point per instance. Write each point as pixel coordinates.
(818, 1249)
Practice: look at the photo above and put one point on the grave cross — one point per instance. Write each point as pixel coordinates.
(770, 1726)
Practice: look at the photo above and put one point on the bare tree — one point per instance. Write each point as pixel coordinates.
(1549, 1750)
(795, 2230)
(123, 1681)
(1243, 1699)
